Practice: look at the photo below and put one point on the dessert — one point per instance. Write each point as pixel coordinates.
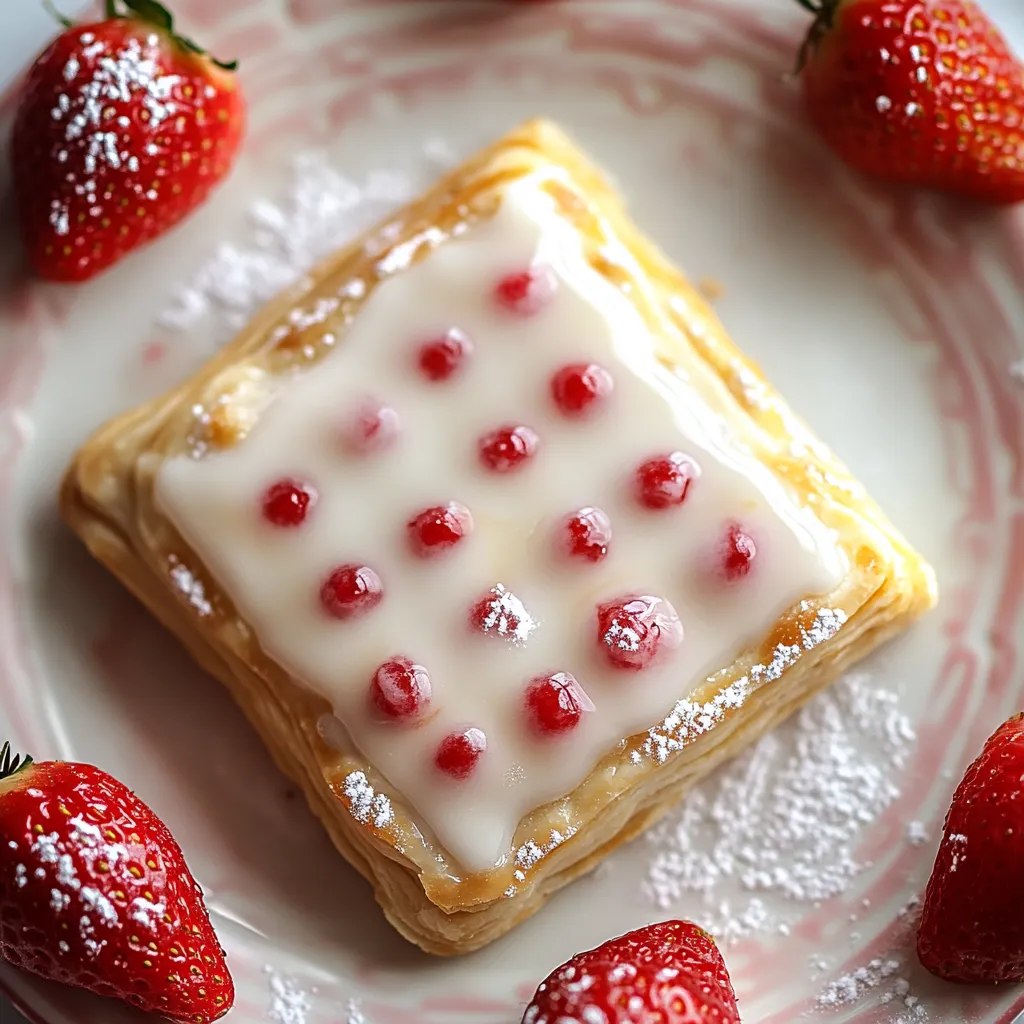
(95, 893)
(496, 537)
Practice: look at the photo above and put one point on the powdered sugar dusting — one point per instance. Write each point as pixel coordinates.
(689, 719)
(917, 833)
(49, 850)
(504, 615)
(55, 861)
(322, 210)
(92, 139)
(881, 975)
(147, 913)
(289, 1004)
(531, 853)
(192, 588)
(781, 823)
(364, 804)
(95, 901)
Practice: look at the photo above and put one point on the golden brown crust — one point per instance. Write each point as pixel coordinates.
(107, 498)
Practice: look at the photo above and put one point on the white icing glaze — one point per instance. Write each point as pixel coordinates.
(274, 575)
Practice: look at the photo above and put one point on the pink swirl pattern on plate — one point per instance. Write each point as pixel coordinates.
(695, 81)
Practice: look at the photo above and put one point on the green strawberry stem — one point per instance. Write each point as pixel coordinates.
(152, 13)
(52, 11)
(824, 12)
(148, 10)
(822, 9)
(156, 14)
(11, 765)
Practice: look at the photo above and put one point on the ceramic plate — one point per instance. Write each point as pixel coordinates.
(894, 324)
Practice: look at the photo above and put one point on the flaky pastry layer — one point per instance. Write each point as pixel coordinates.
(108, 499)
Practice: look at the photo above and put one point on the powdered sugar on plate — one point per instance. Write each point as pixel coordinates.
(882, 976)
(917, 834)
(321, 211)
(94, 139)
(289, 1004)
(781, 823)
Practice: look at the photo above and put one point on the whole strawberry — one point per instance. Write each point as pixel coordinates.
(972, 925)
(94, 892)
(122, 129)
(925, 92)
(672, 973)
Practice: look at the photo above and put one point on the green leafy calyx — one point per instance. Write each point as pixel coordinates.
(10, 763)
(824, 12)
(152, 13)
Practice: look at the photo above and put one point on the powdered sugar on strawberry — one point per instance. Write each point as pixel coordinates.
(132, 70)
(121, 129)
(104, 898)
(146, 912)
(53, 856)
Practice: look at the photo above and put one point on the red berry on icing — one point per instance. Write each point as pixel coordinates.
(458, 753)
(443, 357)
(664, 481)
(586, 534)
(579, 389)
(437, 529)
(500, 613)
(634, 631)
(738, 552)
(351, 590)
(555, 703)
(400, 689)
(528, 291)
(372, 428)
(287, 503)
(507, 448)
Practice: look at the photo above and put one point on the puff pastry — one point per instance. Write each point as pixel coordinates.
(497, 539)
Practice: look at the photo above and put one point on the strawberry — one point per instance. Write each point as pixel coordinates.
(670, 972)
(972, 924)
(122, 129)
(94, 892)
(924, 92)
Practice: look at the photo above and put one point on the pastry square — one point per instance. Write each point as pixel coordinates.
(497, 539)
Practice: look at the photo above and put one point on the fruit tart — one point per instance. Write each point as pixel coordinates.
(496, 537)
